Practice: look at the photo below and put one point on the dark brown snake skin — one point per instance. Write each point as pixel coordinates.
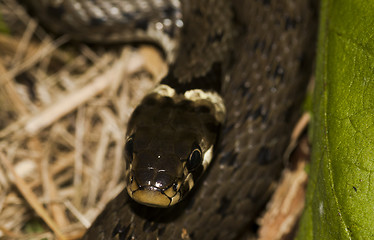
(266, 55)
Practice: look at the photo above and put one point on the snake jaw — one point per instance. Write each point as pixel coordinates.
(153, 196)
(150, 197)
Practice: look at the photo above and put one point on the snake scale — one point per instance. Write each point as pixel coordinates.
(258, 53)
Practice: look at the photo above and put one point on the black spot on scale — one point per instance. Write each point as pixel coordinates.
(97, 21)
(150, 226)
(259, 45)
(278, 72)
(264, 115)
(244, 89)
(215, 38)
(169, 11)
(142, 24)
(263, 156)
(223, 206)
(123, 237)
(290, 23)
(161, 231)
(116, 229)
(197, 12)
(228, 158)
(257, 113)
(170, 31)
(122, 231)
(128, 16)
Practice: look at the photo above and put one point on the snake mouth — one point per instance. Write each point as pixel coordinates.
(152, 196)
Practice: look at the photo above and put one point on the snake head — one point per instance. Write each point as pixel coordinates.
(168, 147)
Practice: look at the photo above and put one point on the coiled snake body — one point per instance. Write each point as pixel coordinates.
(256, 53)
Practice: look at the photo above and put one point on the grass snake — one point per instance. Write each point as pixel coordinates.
(251, 58)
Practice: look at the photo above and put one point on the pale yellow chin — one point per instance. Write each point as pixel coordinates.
(153, 198)
(150, 198)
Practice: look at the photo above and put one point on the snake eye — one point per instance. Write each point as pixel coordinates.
(194, 160)
(129, 149)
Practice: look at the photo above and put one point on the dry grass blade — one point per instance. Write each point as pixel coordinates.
(31, 197)
(71, 101)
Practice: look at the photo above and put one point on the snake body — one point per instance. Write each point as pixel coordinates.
(257, 53)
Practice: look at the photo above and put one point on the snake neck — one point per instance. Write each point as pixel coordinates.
(211, 81)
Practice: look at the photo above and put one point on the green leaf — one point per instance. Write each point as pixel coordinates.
(340, 194)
